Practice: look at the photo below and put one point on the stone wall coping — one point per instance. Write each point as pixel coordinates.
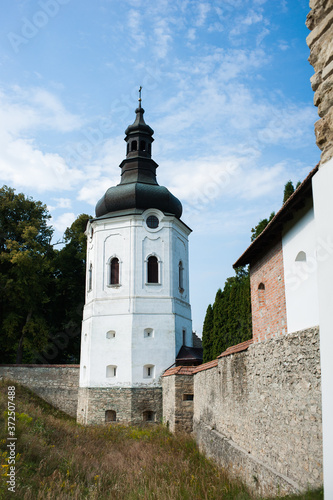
(236, 348)
(39, 366)
(206, 366)
(179, 370)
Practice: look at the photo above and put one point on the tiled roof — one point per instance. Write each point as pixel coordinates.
(205, 366)
(274, 227)
(236, 348)
(179, 370)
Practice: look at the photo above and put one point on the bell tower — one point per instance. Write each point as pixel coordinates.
(137, 313)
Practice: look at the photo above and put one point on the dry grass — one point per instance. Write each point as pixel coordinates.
(60, 459)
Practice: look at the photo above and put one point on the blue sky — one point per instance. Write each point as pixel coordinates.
(225, 87)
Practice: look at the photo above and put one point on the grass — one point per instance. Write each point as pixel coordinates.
(60, 459)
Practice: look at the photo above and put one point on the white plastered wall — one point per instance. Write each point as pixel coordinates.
(133, 306)
(322, 185)
(300, 270)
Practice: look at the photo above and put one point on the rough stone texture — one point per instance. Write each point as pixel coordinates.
(128, 403)
(320, 42)
(57, 384)
(263, 409)
(269, 314)
(177, 410)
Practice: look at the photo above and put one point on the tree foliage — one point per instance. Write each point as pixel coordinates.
(42, 289)
(228, 321)
(260, 226)
(25, 262)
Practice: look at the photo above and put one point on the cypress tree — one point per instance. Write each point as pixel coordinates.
(207, 335)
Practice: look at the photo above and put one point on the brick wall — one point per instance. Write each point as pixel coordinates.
(57, 384)
(258, 413)
(269, 315)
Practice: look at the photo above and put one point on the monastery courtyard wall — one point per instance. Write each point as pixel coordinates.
(57, 384)
(258, 413)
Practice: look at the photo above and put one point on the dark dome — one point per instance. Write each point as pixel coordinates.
(138, 195)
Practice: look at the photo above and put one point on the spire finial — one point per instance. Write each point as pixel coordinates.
(140, 96)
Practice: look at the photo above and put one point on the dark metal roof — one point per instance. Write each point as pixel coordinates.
(189, 354)
(273, 230)
(138, 188)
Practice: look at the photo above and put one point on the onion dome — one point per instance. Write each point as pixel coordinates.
(138, 188)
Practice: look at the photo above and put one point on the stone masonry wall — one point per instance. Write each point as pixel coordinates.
(57, 384)
(177, 405)
(258, 413)
(128, 403)
(320, 42)
(269, 314)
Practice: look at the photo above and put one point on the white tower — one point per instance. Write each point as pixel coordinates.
(137, 314)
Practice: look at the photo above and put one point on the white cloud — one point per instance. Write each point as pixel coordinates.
(22, 162)
(202, 11)
(64, 221)
(136, 31)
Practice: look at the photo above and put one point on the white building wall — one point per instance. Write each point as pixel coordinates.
(134, 305)
(322, 184)
(300, 268)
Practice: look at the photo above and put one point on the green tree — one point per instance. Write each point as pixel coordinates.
(260, 226)
(288, 191)
(207, 335)
(231, 316)
(25, 262)
(68, 294)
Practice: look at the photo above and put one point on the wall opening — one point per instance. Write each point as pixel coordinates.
(181, 276)
(261, 294)
(148, 371)
(148, 333)
(152, 269)
(188, 397)
(110, 416)
(134, 146)
(301, 257)
(111, 371)
(110, 334)
(114, 271)
(90, 278)
(148, 416)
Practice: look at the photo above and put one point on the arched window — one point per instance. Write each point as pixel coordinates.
(261, 294)
(142, 145)
(134, 146)
(127, 149)
(114, 274)
(152, 269)
(111, 334)
(110, 416)
(301, 257)
(181, 276)
(90, 278)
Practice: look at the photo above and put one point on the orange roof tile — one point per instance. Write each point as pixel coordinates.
(179, 370)
(205, 366)
(236, 348)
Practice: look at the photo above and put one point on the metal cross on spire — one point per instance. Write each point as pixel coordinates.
(140, 96)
